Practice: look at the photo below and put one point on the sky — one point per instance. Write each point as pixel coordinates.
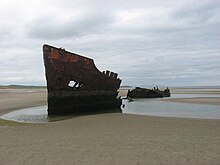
(147, 42)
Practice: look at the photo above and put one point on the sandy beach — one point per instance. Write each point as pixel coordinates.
(13, 99)
(111, 138)
(196, 100)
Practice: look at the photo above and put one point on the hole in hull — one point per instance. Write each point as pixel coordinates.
(71, 84)
(75, 85)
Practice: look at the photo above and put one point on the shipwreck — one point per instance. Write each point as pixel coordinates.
(75, 85)
(148, 93)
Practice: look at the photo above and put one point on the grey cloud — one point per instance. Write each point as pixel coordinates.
(52, 28)
(197, 13)
(154, 42)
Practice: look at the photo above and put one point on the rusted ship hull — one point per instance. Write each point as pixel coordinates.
(91, 90)
(148, 93)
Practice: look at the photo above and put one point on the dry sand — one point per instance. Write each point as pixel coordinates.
(122, 92)
(109, 139)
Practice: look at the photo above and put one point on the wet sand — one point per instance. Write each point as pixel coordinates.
(107, 139)
(196, 100)
(13, 99)
(195, 90)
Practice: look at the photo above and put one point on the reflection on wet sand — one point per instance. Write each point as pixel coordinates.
(39, 115)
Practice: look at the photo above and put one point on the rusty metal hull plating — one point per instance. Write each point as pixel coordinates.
(75, 85)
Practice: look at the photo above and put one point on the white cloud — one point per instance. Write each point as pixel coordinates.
(146, 42)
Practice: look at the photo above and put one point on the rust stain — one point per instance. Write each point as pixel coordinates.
(90, 88)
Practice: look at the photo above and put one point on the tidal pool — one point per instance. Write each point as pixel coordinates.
(32, 115)
(152, 107)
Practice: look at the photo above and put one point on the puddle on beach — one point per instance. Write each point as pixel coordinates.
(39, 115)
(32, 115)
(152, 107)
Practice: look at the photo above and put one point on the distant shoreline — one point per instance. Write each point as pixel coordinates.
(14, 86)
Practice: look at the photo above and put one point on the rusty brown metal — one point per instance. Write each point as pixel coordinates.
(74, 83)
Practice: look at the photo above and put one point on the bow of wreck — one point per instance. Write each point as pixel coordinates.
(75, 85)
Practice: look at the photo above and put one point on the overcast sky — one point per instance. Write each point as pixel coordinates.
(164, 42)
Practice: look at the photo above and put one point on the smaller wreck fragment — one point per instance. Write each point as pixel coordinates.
(148, 93)
(75, 85)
